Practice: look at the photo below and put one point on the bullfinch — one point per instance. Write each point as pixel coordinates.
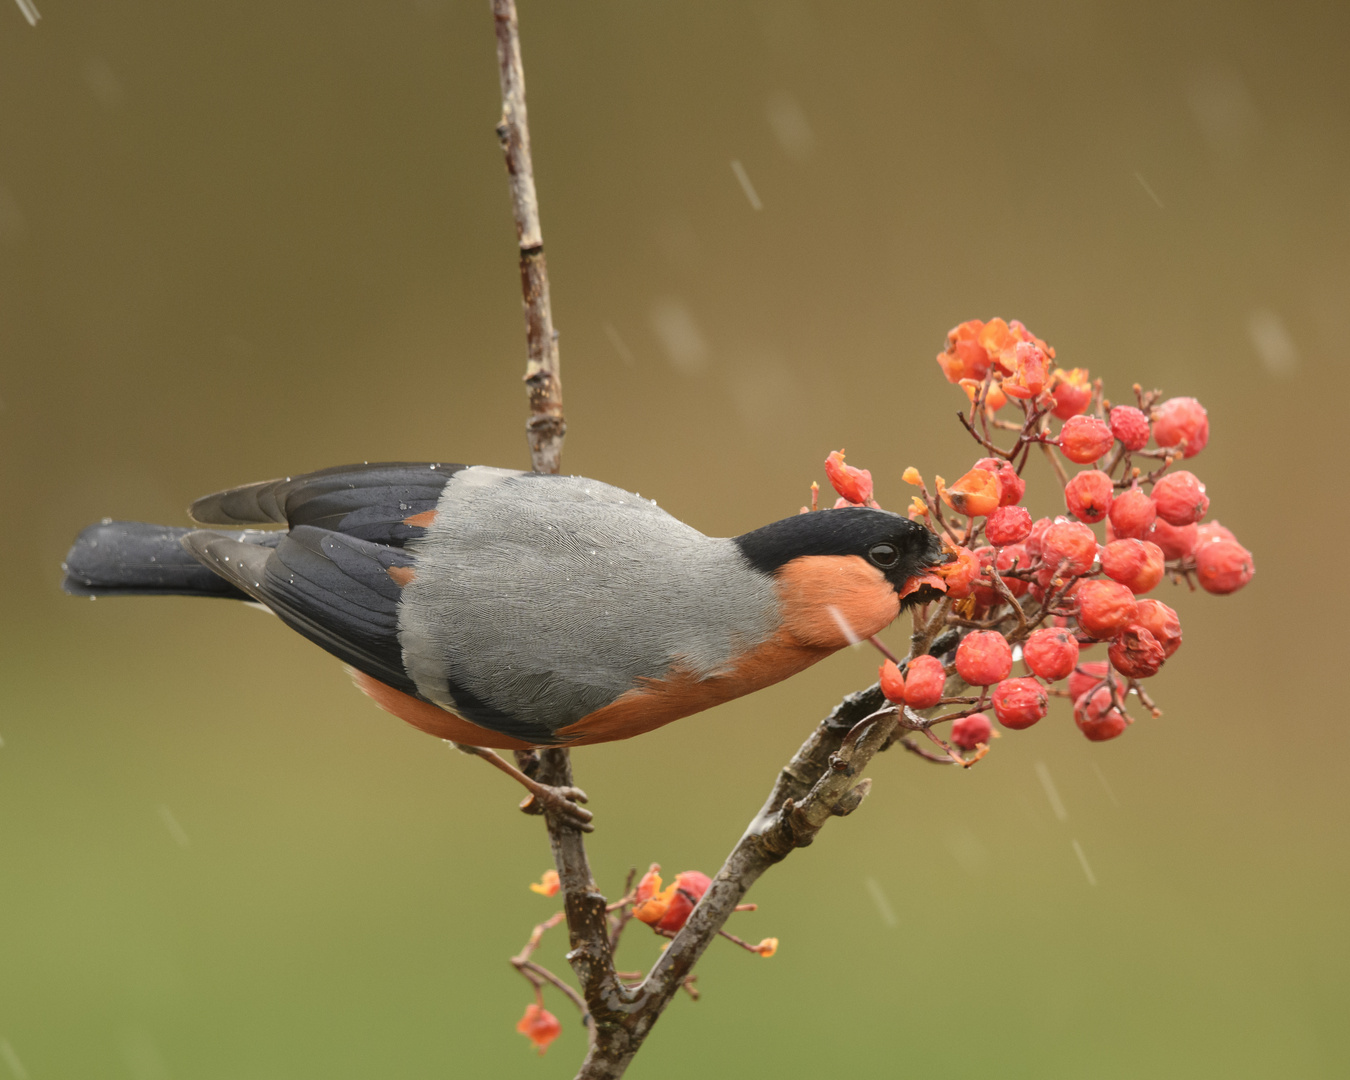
(496, 608)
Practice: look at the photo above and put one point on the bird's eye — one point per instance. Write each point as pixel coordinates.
(883, 555)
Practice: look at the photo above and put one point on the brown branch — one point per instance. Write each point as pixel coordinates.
(543, 380)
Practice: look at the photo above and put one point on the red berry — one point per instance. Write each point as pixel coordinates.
(924, 681)
(1008, 525)
(892, 683)
(1135, 653)
(1012, 486)
(1137, 564)
(1181, 421)
(970, 731)
(1033, 541)
(1088, 676)
(1097, 718)
(1176, 543)
(1130, 426)
(1211, 531)
(1132, 514)
(1084, 439)
(1162, 622)
(1069, 548)
(1051, 653)
(1105, 608)
(1071, 390)
(1019, 703)
(983, 658)
(1223, 566)
(1088, 495)
(1180, 498)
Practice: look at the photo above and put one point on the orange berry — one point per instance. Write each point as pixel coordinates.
(1135, 653)
(1132, 514)
(1051, 653)
(1223, 566)
(1019, 703)
(1162, 622)
(1180, 498)
(1137, 564)
(1088, 495)
(1097, 718)
(892, 683)
(983, 658)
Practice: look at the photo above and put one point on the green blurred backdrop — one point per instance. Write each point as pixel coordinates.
(244, 240)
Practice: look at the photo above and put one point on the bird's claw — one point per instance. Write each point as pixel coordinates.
(562, 802)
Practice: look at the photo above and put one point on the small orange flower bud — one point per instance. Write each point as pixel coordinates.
(548, 885)
(911, 476)
(767, 947)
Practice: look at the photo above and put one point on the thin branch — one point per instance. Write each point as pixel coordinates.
(543, 380)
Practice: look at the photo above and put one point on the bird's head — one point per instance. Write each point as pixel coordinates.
(852, 549)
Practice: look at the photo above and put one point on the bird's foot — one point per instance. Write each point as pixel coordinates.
(561, 802)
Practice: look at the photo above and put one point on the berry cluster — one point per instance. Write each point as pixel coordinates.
(1043, 591)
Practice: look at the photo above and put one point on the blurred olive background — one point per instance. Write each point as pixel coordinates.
(245, 240)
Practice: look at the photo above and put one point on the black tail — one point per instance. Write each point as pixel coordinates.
(132, 558)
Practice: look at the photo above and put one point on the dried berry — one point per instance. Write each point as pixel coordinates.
(983, 658)
(1088, 676)
(1071, 390)
(892, 683)
(965, 357)
(1084, 439)
(539, 1025)
(1069, 548)
(1176, 542)
(1223, 566)
(1105, 608)
(1183, 422)
(1051, 653)
(924, 681)
(1132, 514)
(1019, 703)
(1033, 541)
(977, 493)
(1162, 622)
(1088, 495)
(1180, 498)
(1136, 653)
(1136, 564)
(1097, 718)
(1029, 372)
(689, 886)
(1008, 525)
(969, 731)
(1011, 486)
(1130, 426)
(960, 573)
(853, 485)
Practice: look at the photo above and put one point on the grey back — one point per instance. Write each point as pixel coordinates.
(547, 597)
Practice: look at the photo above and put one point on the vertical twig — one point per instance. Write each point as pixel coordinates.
(543, 380)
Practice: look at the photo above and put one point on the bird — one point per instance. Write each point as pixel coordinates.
(506, 610)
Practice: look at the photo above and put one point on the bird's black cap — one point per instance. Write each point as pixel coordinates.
(898, 547)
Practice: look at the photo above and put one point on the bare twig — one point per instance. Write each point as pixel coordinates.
(543, 380)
